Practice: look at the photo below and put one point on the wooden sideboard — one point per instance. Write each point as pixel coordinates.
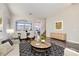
(59, 36)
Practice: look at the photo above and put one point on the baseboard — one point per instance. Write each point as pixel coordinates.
(72, 42)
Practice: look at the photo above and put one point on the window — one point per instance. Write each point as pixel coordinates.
(37, 26)
(23, 25)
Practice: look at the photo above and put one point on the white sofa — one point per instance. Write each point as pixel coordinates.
(23, 35)
(8, 50)
(15, 51)
(15, 35)
(70, 52)
(32, 34)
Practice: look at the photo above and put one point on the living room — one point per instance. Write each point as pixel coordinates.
(23, 25)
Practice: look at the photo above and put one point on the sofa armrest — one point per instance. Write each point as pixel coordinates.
(15, 51)
(70, 52)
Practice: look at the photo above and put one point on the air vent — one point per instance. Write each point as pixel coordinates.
(75, 3)
(30, 13)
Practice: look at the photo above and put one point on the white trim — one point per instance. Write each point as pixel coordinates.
(72, 41)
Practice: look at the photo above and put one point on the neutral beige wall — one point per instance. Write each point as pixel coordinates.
(4, 13)
(70, 18)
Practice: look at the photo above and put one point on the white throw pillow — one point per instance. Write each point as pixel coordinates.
(5, 48)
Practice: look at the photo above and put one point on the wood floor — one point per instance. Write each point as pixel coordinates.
(58, 42)
(63, 44)
(73, 46)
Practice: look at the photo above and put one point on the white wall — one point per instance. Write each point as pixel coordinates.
(5, 16)
(31, 19)
(70, 18)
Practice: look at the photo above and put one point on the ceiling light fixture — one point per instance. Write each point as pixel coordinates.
(30, 13)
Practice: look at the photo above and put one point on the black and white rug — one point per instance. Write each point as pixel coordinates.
(25, 50)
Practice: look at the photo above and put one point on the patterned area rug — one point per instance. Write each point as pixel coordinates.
(25, 50)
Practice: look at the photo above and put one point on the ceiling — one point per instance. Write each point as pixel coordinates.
(39, 10)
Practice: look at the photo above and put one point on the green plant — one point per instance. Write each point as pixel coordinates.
(43, 37)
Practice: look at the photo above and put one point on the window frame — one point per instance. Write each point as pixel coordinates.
(25, 22)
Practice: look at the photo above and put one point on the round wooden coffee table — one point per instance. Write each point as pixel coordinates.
(40, 46)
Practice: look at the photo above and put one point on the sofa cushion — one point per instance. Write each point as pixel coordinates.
(5, 48)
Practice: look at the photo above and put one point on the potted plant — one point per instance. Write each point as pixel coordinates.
(43, 38)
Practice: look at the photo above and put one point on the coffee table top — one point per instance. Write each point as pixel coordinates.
(39, 44)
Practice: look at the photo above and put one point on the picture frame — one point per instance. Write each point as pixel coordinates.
(1, 24)
(59, 25)
(0, 20)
